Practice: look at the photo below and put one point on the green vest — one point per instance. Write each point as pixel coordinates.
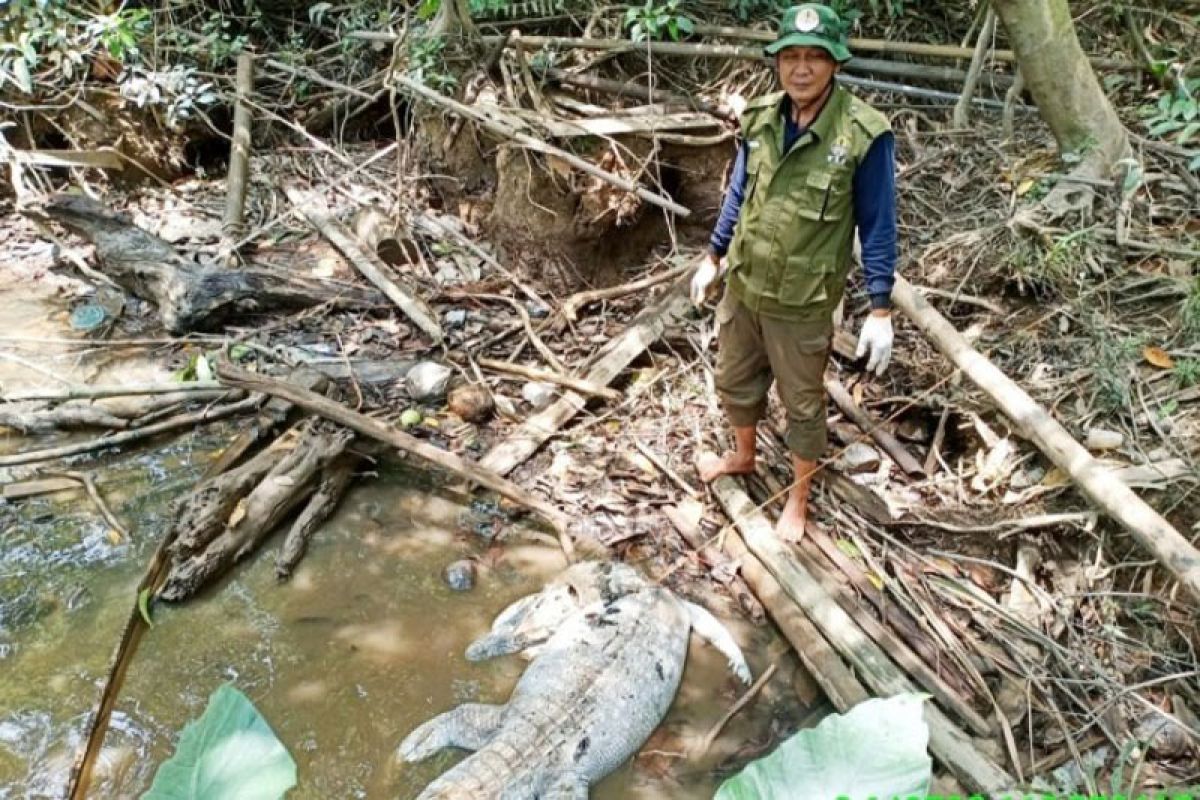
(793, 244)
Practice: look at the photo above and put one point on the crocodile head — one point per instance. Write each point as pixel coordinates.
(532, 620)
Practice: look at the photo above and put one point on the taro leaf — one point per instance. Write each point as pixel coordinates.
(230, 751)
(876, 749)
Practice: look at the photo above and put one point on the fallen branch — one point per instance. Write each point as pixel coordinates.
(571, 306)
(125, 437)
(506, 455)
(947, 742)
(1112, 496)
(529, 142)
(706, 743)
(335, 479)
(882, 437)
(558, 379)
(369, 264)
(90, 486)
(373, 428)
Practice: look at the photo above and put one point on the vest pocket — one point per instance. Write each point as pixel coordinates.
(805, 281)
(822, 196)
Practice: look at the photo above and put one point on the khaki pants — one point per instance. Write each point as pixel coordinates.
(753, 351)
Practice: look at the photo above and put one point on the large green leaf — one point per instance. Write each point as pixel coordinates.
(876, 749)
(230, 752)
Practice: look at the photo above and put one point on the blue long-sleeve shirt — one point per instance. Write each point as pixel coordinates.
(874, 198)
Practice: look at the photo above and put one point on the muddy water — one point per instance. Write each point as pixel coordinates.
(363, 645)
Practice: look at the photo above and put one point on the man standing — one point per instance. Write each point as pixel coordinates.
(815, 164)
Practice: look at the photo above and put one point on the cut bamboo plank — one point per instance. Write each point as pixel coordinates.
(947, 742)
(1097, 482)
(510, 453)
(369, 264)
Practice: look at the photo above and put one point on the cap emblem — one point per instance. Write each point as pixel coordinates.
(807, 20)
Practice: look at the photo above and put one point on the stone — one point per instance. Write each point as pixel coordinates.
(427, 381)
(460, 575)
(537, 394)
(858, 457)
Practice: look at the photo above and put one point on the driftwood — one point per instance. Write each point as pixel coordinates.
(366, 262)
(531, 143)
(239, 161)
(1096, 481)
(97, 499)
(287, 483)
(335, 479)
(191, 296)
(189, 420)
(882, 437)
(508, 454)
(95, 392)
(375, 429)
(63, 418)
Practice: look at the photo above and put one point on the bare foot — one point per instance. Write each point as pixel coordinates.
(710, 466)
(790, 527)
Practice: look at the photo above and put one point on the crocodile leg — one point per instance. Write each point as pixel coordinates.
(710, 629)
(565, 786)
(470, 726)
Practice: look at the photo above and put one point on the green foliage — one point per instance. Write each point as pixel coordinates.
(50, 39)
(877, 749)
(1113, 360)
(230, 751)
(851, 11)
(426, 64)
(653, 20)
(1189, 314)
(1187, 372)
(750, 10)
(1176, 115)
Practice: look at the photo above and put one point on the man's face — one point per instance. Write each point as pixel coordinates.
(804, 72)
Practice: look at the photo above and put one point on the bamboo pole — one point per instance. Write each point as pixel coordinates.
(1095, 480)
(239, 162)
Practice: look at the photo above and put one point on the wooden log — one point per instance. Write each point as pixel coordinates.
(529, 142)
(368, 263)
(645, 328)
(239, 161)
(947, 742)
(1096, 481)
(375, 429)
(191, 296)
(882, 437)
(558, 379)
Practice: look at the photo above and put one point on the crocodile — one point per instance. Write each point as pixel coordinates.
(608, 650)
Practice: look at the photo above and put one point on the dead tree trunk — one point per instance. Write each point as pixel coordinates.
(191, 296)
(1069, 97)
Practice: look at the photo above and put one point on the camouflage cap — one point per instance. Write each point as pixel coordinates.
(812, 25)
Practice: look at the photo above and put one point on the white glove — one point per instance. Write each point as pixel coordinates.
(708, 269)
(876, 336)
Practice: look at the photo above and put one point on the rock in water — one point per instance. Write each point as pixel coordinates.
(472, 402)
(460, 576)
(427, 381)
